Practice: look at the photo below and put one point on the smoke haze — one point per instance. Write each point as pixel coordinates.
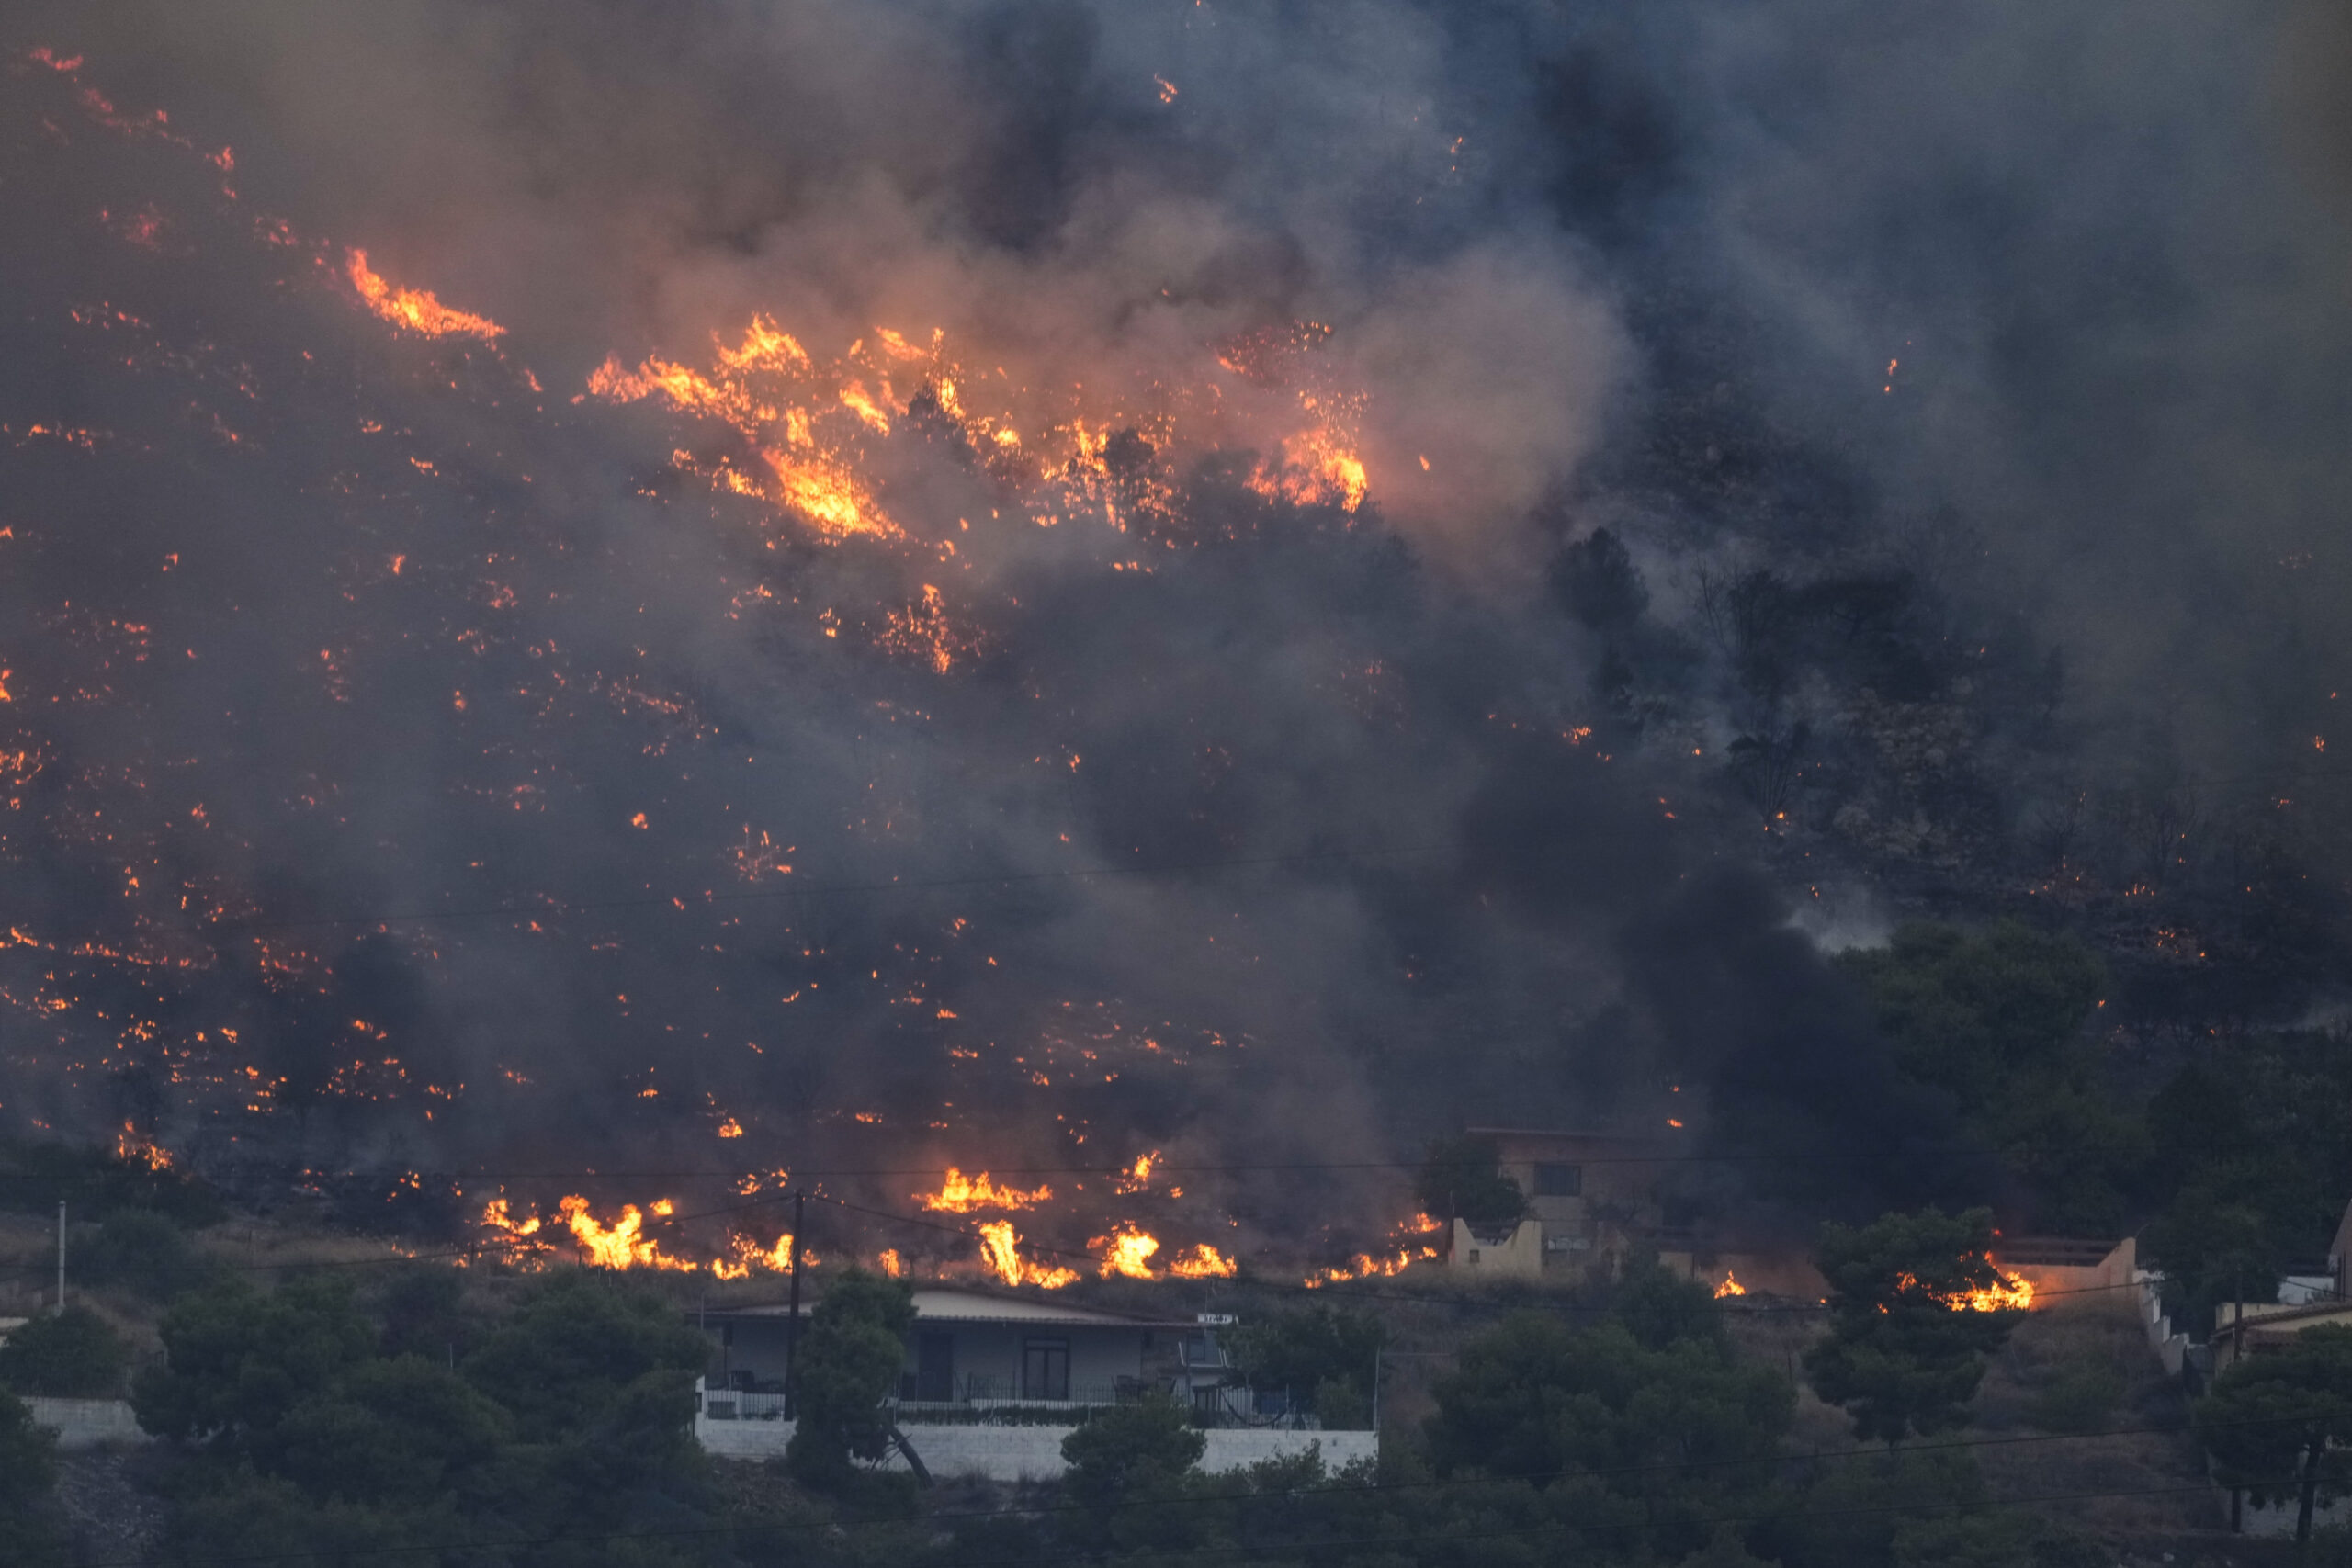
(1799, 449)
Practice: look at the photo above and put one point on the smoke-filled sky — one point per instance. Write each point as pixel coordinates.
(1240, 760)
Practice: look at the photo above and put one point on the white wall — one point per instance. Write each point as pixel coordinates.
(85, 1423)
(1035, 1453)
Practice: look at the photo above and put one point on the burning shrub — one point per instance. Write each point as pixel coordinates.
(1917, 1307)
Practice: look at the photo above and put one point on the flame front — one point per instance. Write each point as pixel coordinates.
(1127, 1252)
(1000, 1254)
(1730, 1287)
(2007, 1294)
(414, 308)
(960, 1194)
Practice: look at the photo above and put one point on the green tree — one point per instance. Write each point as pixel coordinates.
(846, 1364)
(390, 1432)
(1128, 1458)
(1681, 1426)
(29, 1536)
(2279, 1423)
(1463, 1178)
(576, 1347)
(1321, 1355)
(1904, 1353)
(236, 1359)
(75, 1354)
(1994, 1019)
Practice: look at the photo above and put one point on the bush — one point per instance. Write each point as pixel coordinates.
(75, 1354)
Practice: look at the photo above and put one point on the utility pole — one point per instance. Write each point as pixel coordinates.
(792, 1318)
(60, 1254)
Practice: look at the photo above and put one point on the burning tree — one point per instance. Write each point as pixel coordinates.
(1917, 1306)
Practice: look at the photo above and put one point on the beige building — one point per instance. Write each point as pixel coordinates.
(1592, 1198)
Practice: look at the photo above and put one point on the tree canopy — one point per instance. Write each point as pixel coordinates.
(1463, 1178)
(2278, 1423)
(846, 1364)
(75, 1354)
(1904, 1353)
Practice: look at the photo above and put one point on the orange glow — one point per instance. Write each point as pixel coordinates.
(1730, 1287)
(887, 1261)
(1127, 1252)
(1319, 467)
(1000, 1253)
(730, 1128)
(960, 1194)
(1203, 1262)
(414, 308)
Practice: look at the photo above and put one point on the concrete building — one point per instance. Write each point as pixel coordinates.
(974, 1350)
(1592, 1197)
(993, 1382)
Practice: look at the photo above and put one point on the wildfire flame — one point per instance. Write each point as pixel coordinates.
(2007, 1294)
(960, 1194)
(1127, 1252)
(414, 308)
(1203, 1262)
(134, 1147)
(1000, 1254)
(1730, 1287)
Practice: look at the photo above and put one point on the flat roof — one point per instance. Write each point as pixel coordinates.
(948, 1304)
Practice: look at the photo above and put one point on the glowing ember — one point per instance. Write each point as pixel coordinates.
(960, 1194)
(414, 308)
(133, 1147)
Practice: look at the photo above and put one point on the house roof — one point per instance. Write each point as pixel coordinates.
(938, 1303)
(1550, 1134)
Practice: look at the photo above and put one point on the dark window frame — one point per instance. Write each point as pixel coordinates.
(1557, 1179)
(1039, 1376)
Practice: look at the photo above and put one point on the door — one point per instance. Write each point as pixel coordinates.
(1045, 1369)
(934, 1367)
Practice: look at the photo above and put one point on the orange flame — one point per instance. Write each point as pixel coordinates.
(1137, 1177)
(2007, 1294)
(1203, 1262)
(414, 308)
(1730, 1287)
(133, 1147)
(960, 1194)
(1000, 1254)
(1128, 1252)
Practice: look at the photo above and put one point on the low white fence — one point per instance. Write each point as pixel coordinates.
(1031, 1453)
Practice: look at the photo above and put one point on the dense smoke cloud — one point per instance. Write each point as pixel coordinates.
(1869, 340)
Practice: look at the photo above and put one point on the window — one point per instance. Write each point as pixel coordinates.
(1559, 1181)
(1045, 1369)
(934, 1367)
